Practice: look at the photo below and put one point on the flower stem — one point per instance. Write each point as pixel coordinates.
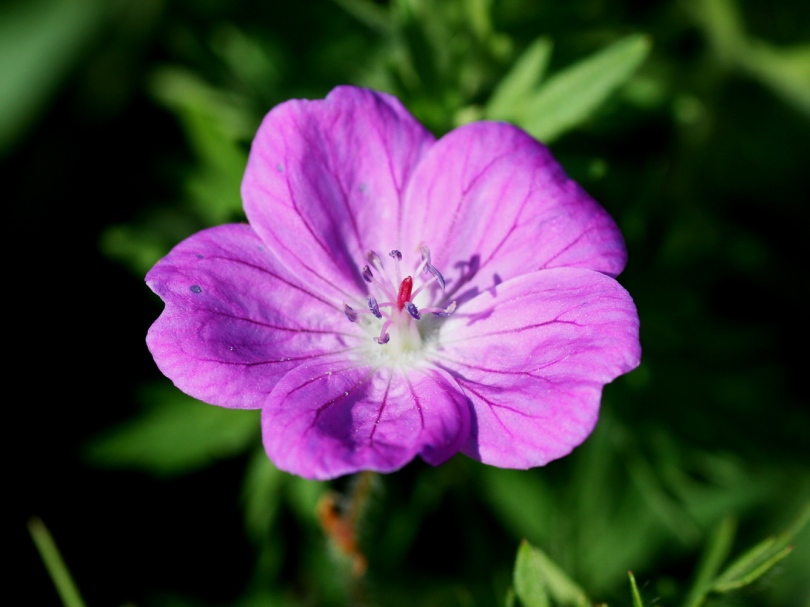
(341, 516)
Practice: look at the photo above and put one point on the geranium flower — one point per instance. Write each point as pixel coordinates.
(394, 295)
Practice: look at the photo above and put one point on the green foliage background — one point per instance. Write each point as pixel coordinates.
(125, 126)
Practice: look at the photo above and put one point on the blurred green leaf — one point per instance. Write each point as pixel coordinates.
(637, 602)
(537, 577)
(528, 578)
(40, 41)
(722, 22)
(520, 500)
(715, 552)
(176, 434)
(514, 91)
(55, 564)
(216, 124)
(761, 557)
(371, 14)
(785, 71)
(303, 495)
(261, 494)
(569, 97)
(139, 245)
(510, 599)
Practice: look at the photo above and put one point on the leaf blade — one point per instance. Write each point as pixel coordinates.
(569, 97)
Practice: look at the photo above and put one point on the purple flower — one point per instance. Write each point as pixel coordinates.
(396, 296)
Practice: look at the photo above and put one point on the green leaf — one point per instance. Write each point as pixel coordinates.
(528, 578)
(569, 97)
(537, 577)
(716, 551)
(762, 557)
(176, 434)
(261, 495)
(40, 41)
(786, 71)
(215, 123)
(139, 245)
(367, 12)
(516, 88)
(637, 602)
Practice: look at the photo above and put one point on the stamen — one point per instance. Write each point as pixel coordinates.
(372, 305)
(443, 312)
(397, 257)
(425, 258)
(392, 299)
(384, 336)
(412, 310)
(448, 310)
(422, 287)
(349, 312)
(438, 275)
(374, 259)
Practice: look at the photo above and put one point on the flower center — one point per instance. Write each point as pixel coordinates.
(394, 304)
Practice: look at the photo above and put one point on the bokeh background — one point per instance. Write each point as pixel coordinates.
(124, 127)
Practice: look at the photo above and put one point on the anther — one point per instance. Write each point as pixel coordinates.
(384, 336)
(372, 305)
(439, 278)
(397, 257)
(447, 311)
(394, 295)
(373, 259)
(349, 312)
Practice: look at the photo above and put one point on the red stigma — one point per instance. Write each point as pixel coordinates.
(405, 290)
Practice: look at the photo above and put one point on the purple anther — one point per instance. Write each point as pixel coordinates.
(439, 278)
(447, 311)
(349, 312)
(396, 255)
(367, 275)
(383, 339)
(412, 310)
(372, 305)
(373, 258)
(425, 253)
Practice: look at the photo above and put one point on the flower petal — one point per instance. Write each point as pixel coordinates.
(532, 354)
(333, 417)
(234, 322)
(492, 204)
(324, 182)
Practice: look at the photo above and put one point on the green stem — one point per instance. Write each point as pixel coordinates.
(54, 563)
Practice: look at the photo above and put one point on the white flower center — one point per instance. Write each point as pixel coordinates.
(394, 305)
